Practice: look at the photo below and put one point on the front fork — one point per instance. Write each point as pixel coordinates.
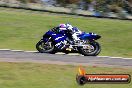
(47, 41)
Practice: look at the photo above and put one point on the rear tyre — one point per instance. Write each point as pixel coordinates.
(43, 47)
(93, 51)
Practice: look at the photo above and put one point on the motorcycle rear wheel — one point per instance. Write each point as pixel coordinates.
(94, 52)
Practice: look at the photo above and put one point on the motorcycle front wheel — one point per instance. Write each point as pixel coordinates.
(93, 49)
(43, 47)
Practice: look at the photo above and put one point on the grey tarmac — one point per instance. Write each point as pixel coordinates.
(21, 56)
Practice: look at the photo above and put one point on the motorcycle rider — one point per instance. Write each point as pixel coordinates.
(73, 31)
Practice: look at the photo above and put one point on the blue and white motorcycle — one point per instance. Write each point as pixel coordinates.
(53, 42)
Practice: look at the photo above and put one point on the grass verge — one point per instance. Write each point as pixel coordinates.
(31, 75)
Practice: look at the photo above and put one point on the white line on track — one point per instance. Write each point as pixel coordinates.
(103, 56)
(31, 51)
(17, 50)
(61, 53)
(4, 49)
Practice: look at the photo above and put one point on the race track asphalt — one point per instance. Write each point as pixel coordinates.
(15, 56)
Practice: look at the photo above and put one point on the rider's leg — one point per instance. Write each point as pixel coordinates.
(75, 38)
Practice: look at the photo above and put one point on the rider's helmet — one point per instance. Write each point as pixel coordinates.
(62, 27)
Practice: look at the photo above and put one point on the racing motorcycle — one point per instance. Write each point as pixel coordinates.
(53, 42)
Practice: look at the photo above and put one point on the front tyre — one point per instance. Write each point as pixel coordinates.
(43, 47)
(93, 50)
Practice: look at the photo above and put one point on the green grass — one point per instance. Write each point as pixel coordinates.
(21, 29)
(30, 75)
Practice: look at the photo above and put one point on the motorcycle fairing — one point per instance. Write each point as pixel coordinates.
(88, 36)
(58, 38)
